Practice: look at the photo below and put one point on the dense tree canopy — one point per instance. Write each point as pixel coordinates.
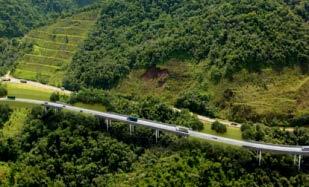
(5, 112)
(10, 51)
(260, 132)
(300, 7)
(196, 102)
(231, 35)
(17, 17)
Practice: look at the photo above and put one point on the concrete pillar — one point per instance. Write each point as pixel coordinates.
(131, 129)
(294, 160)
(260, 157)
(299, 161)
(157, 135)
(108, 123)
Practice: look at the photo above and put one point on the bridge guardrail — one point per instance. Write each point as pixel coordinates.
(281, 145)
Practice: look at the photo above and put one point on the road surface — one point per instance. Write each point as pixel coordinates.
(282, 149)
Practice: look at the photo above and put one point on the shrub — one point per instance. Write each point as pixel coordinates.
(218, 127)
(3, 91)
(5, 112)
(195, 102)
(55, 97)
(185, 118)
(215, 75)
(301, 120)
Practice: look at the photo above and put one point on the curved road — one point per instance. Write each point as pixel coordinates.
(282, 149)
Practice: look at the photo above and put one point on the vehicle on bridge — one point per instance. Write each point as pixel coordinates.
(306, 148)
(61, 103)
(182, 129)
(132, 118)
(11, 97)
(23, 81)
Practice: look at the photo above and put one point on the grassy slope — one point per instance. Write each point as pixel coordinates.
(28, 92)
(181, 77)
(232, 132)
(97, 107)
(269, 91)
(54, 47)
(12, 127)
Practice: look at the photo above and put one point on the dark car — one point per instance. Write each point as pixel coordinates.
(11, 97)
(23, 81)
(6, 79)
(132, 118)
(305, 149)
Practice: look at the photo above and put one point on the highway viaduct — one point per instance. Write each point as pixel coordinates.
(296, 150)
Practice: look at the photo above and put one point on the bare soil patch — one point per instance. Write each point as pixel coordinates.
(155, 73)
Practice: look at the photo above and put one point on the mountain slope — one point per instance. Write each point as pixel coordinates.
(20, 16)
(231, 35)
(53, 48)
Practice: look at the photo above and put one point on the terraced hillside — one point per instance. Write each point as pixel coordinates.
(54, 47)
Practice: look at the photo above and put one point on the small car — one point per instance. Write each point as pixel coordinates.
(132, 118)
(6, 79)
(12, 97)
(182, 129)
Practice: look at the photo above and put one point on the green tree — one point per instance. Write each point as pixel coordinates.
(3, 91)
(55, 96)
(218, 127)
(5, 112)
(195, 102)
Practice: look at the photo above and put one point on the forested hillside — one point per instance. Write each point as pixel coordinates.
(229, 35)
(19, 16)
(300, 7)
(10, 51)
